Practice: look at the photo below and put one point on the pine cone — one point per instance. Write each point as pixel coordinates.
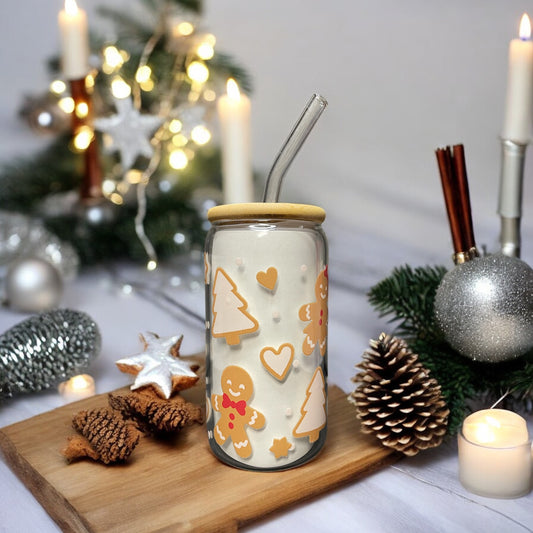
(108, 435)
(397, 400)
(152, 414)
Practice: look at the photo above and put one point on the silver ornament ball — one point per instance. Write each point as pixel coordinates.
(484, 308)
(33, 285)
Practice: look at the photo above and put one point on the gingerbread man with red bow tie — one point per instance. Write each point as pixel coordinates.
(237, 389)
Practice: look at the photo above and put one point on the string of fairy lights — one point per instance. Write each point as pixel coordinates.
(183, 109)
(179, 151)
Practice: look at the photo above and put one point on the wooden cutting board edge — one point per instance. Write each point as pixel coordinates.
(52, 501)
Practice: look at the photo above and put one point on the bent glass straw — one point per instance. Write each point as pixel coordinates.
(292, 145)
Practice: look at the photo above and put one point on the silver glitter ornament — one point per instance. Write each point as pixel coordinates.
(33, 285)
(23, 236)
(46, 349)
(484, 308)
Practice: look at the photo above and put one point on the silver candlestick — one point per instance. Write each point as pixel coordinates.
(510, 197)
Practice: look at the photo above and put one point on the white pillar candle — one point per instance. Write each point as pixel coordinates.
(77, 388)
(519, 102)
(234, 115)
(74, 41)
(495, 454)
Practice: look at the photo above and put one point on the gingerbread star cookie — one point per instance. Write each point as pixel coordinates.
(159, 366)
(281, 447)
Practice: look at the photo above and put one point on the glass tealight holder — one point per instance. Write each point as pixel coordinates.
(266, 334)
(495, 454)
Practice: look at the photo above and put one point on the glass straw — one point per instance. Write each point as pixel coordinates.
(292, 145)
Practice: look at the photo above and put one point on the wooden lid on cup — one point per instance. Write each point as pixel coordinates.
(266, 211)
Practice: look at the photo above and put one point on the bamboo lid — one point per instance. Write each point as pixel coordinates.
(263, 210)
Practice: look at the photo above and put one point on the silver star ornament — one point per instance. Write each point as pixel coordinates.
(157, 367)
(129, 131)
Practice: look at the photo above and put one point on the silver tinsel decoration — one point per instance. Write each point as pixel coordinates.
(45, 349)
(485, 308)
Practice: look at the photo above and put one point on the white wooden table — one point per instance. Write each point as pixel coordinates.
(417, 494)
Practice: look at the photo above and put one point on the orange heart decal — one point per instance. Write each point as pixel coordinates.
(268, 279)
(278, 362)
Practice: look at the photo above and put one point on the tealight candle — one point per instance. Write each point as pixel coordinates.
(77, 388)
(495, 454)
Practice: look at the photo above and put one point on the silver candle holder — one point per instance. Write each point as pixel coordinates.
(510, 196)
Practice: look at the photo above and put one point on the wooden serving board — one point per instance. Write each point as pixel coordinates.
(177, 485)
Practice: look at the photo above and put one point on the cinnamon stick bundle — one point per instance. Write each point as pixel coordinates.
(454, 179)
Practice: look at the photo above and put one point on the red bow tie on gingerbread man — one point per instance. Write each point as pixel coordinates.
(240, 405)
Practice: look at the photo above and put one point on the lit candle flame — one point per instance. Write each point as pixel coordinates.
(77, 388)
(233, 89)
(525, 28)
(71, 7)
(485, 431)
(80, 382)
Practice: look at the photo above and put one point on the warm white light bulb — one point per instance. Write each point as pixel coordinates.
(143, 74)
(205, 51)
(198, 72)
(120, 88)
(66, 104)
(177, 159)
(58, 87)
(200, 135)
(82, 110)
(113, 57)
(83, 138)
(184, 28)
(175, 125)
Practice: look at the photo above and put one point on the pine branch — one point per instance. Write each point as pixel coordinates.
(128, 25)
(25, 182)
(409, 296)
(225, 66)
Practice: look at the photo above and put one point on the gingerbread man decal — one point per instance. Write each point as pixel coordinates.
(317, 313)
(237, 389)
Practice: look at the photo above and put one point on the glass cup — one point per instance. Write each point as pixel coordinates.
(266, 334)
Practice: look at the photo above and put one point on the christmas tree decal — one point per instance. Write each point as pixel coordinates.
(230, 318)
(313, 410)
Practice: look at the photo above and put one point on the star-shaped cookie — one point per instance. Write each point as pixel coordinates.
(159, 366)
(280, 447)
(129, 132)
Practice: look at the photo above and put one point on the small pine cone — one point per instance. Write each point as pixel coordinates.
(152, 414)
(397, 400)
(109, 435)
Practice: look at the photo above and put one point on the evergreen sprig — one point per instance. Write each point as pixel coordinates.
(407, 296)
